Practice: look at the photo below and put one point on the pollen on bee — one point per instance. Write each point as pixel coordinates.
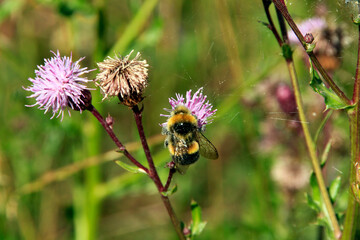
(171, 149)
(194, 147)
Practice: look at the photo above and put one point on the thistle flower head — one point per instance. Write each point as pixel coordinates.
(197, 104)
(124, 78)
(311, 25)
(58, 84)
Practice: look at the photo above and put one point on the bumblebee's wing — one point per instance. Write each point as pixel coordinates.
(181, 168)
(207, 149)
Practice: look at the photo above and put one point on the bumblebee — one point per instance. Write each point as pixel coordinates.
(184, 139)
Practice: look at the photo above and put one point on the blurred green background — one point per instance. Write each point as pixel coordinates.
(58, 180)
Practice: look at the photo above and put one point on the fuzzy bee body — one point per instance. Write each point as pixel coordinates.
(184, 140)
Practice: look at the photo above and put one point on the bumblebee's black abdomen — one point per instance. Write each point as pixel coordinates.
(186, 159)
(183, 127)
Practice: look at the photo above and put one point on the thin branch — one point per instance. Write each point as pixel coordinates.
(152, 170)
(312, 151)
(111, 133)
(271, 24)
(171, 174)
(356, 92)
(154, 175)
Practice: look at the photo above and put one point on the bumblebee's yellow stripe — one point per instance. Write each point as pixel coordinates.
(194, 147)
(171, 149)
(181, 118)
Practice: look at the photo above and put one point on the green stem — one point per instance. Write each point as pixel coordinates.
(311, 148)
(352, 210)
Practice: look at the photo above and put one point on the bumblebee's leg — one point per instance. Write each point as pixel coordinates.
(166, 142)
(164, 131)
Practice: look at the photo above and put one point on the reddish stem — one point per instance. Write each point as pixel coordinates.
(152, 170)
(171, 174)
(111, 133)
(356, 93)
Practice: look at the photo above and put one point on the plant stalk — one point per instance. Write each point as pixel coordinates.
(154, 175)
(352, 210)
(175, 221)
(111, 133)
(152, 170)
(311, 148)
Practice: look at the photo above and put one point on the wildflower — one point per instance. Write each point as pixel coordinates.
(124, 78)
(197, 104)
(58, 85)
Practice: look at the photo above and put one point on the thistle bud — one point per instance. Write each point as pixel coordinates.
(109, 120)
(309, 38)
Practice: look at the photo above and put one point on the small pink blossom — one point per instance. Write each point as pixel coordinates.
(58, 85)
(197, 104)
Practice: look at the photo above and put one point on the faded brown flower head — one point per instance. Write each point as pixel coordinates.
(123, 78)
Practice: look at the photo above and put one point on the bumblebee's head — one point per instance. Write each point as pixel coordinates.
(182, 121)
(180, 109)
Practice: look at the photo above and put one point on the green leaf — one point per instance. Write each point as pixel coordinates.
(197, 225)
(325, 154)
(334, 188)
(332, 101)
(315, 190)
(170, 191)
(129, 167)
(312, 204)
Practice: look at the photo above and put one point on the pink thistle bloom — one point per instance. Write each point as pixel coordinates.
(311, 25)
(197, 104)
(58, 85)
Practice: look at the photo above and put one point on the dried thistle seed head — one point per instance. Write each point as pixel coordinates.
(124, 78)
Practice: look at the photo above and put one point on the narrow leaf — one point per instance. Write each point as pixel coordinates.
(129, 167)
(325, 154)
(170, 192)
(312, 204)
(315, 190)
(334, 188)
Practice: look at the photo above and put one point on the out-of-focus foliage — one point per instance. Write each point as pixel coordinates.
(57, 180)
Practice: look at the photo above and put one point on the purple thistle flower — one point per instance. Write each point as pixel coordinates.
(58, 85)
(197, 104)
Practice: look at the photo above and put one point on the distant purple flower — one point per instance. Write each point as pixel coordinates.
(58, 85)
(197, 104)
(311, 25)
